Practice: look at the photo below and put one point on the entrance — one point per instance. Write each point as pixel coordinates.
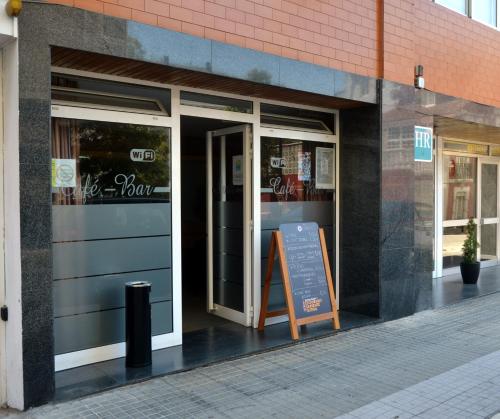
(488, 211)
(468, 185)
(216, 188)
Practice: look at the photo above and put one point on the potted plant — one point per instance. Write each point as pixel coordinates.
(469, 268)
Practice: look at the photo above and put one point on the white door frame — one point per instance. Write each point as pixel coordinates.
(254, 155)
(245, 317)
(440, 223)
(103, 353)
(304, 136)
(3, 346)
(482, 220)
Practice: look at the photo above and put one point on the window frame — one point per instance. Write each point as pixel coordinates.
(468, 12)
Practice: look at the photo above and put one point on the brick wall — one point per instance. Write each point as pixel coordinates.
(335, 33)
(461, 57)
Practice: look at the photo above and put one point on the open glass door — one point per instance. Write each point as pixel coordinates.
(229, 223)
(488, 210)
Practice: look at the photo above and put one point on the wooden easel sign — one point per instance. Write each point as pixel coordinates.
(306, 276)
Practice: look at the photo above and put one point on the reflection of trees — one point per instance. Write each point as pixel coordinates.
(134, 48)
(259, 76)
(105, 152)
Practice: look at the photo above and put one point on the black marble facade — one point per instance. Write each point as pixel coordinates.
(360, 210)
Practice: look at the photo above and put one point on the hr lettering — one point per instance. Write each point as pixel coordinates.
(422, 139)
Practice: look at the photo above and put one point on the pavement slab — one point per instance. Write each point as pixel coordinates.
(442, 363)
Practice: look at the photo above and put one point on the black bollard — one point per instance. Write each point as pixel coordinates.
(137, 324)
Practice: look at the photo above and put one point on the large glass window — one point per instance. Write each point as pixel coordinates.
(297, 185)
(485, 11)
(481, 10)
(111, 224)
(457, 5)
(459, 187)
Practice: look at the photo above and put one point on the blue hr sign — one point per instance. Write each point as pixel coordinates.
(423, 143)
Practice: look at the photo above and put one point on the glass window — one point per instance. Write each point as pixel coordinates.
(471, 148)
(485, 11)
(297, 185)
(102, 162)
(111, 224)
(105, 94)
(106, 101)
(322, 121)
(457, 5)
(294, 170)
(459, 187)
(295, 123)
(453, 240)
(216, 102)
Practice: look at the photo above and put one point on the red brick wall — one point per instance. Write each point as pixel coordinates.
(461, 57)
(334, 33)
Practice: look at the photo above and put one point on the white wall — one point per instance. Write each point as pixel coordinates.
(11, 212)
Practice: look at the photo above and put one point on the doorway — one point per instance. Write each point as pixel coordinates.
(215, 189)
(468, 188)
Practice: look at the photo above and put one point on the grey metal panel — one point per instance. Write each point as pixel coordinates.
(110, 221)
(229, 294)
(229, 268)
(276, 297)
(228, 240)
(77, 259)
(228, 214)
(95, 293)
(84, 331)
(276, 213)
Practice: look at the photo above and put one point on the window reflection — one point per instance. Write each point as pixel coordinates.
(457, 5)
(294, 170)
(102, 162)
(485, 11)
(459, 187)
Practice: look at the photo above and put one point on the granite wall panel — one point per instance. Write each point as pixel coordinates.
(360, 209)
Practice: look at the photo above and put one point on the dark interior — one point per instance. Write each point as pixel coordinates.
(194, 225)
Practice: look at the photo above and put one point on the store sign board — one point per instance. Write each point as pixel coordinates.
(306, 269)
(306, 276)
(423, 144)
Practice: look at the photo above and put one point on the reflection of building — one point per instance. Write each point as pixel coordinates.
(211, 87)
(459, 188)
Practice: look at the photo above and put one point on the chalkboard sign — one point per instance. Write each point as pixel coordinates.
(306, 269)
(306, 276)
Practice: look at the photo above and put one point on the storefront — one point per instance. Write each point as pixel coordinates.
(123, 154)
(467, 186)
(144, 153)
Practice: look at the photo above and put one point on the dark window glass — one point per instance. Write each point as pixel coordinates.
(106, 100)
(304, 124)
(216, 102)
(294, 170)
(86, 86)
(105, 162)
(327, 118)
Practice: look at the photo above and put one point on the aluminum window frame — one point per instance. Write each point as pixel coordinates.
(257, 132)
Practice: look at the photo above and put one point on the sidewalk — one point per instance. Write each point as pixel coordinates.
(435, 364)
